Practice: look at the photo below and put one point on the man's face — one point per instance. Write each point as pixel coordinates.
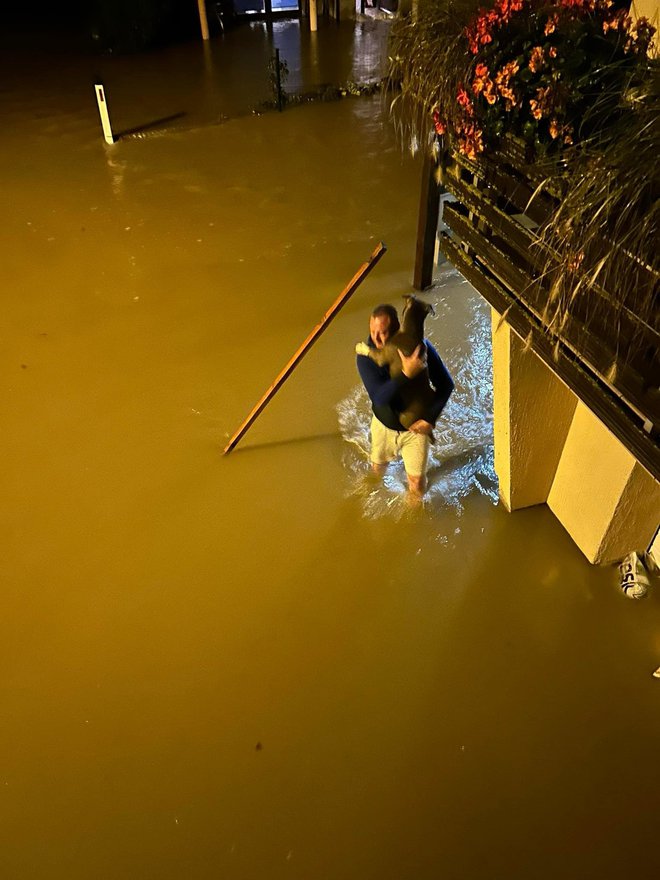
(379, 330)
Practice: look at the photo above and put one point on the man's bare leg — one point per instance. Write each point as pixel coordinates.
(416, 485)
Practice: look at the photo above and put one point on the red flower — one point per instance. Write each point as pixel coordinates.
(481, 81)
(506, 8)
(440, 126)
(480, 31)
(496, 85)
(465, 101)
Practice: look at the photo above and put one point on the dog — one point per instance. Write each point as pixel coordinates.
(417, 394)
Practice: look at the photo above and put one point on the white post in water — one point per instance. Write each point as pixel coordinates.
(103, 110)
(203, 21)
(313, 26)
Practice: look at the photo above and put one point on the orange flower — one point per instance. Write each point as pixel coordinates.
(503, 80)
(579, 5)
(542, 104)
(490, 94)
(620, 21)
(470, 140)
(551, 24)
(536, 59)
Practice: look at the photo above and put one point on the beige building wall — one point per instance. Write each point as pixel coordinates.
(549, 447)
(532, 415)
(604, 498)
(646, 9)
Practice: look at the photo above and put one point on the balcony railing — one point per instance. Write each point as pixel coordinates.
(602, 347)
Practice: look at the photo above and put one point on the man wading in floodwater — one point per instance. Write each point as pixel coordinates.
(388, 437)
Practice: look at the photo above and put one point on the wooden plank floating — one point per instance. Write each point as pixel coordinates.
(286, 371)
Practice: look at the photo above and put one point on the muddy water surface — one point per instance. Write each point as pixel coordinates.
(267, 665)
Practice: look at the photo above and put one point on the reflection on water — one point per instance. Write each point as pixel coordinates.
(461, 459)
(181, 87)
(419, 681)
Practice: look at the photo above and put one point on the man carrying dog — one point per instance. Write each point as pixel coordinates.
(388, 437)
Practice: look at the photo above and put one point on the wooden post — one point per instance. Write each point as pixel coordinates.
(338, 304)
(203, 21)
(313, 24)
(427, 225)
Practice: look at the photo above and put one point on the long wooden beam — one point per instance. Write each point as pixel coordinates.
(284, 374)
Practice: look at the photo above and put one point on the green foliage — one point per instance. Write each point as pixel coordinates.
(576, 84)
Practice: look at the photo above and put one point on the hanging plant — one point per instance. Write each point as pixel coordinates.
(550, 73)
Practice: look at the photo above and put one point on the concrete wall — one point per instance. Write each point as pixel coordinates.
(533, 412)
(646, 9)
(550, 448)
(604, 498)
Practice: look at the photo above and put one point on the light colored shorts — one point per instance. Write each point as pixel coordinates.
(386, 445)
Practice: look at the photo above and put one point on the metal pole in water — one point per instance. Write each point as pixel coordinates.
(103, 110)
(279, 80)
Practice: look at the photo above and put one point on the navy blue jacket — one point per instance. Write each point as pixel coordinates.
(384, 391)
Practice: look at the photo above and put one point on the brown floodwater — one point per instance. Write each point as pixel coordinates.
(267, 665)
